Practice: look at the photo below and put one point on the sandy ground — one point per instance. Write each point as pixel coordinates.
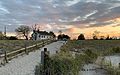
(92, 69)
(25, 65)
(115, 60)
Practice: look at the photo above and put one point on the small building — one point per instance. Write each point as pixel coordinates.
(41, 35)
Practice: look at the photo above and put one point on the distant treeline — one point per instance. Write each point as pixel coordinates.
(95, 37)
(4, 37)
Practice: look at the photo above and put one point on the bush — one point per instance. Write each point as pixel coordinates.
(91, 54)
(116, 50)
(59, 65)
(13, 38)
(81, 37)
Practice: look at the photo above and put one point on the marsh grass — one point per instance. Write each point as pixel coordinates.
(63, 63)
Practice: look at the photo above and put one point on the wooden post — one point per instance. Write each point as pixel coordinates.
(36, 45)
(119, 65)
(6, 60)
(56, 52)
(45, 60)
(43, 43)
(42, 57)
(26, 49)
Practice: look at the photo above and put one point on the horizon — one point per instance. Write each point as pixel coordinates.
(87, 36)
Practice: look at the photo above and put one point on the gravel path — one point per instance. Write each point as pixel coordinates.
(25, 65)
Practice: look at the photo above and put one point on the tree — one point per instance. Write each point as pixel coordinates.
(96, 35)
(108, 38)
(36, 27)
(63, 37)
(102, 37)
(13, 38)
(1, 36)
(23, 31)
(60, 32)
(81, 37)
(52, 33)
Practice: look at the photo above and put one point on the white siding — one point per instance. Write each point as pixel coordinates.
(41, 37)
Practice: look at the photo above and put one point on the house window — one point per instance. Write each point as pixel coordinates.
(39, 36)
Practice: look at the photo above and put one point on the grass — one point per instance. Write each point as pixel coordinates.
(101, 47)
(97, 44)
(12, 45)
(64, 63)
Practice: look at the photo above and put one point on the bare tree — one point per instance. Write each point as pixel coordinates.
(23, 31)
(96, 35)
(60, 32)
(36, 27)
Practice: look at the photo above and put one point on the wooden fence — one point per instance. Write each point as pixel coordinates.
(4, 58)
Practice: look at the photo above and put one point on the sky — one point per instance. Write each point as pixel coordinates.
(71, 16)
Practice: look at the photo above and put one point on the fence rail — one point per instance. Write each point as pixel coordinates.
(4, 58)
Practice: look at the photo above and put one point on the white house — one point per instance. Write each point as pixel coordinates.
(41, 35)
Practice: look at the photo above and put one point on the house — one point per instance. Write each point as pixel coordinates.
(41, 35)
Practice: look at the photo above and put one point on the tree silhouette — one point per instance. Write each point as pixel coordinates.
(60, 32)
(96, 35)
(102, 37)
(81, 37)
(13, 38)
(23, 31)
(63, 37)
(52, 33)
(108, 38)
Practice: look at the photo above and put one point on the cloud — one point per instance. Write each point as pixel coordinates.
(59, 14)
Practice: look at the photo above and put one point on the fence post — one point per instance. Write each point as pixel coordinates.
(45, 61)
(26, 49)
(43, 43)
(119, 65)
(36, 45)
(6, 60)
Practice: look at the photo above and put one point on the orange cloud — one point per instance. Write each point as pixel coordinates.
(104, 31)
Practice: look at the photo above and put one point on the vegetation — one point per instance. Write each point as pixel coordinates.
(1, 36)
(23, 31)
(99, 45)
(12, 45)
(81, 37)
(111, 51)
(13, 38)
(64, 62)
(111, 69)
(63, 37)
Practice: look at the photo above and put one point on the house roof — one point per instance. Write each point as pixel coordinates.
(43, 33)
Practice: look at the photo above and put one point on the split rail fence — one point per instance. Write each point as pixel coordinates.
(6, 57)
